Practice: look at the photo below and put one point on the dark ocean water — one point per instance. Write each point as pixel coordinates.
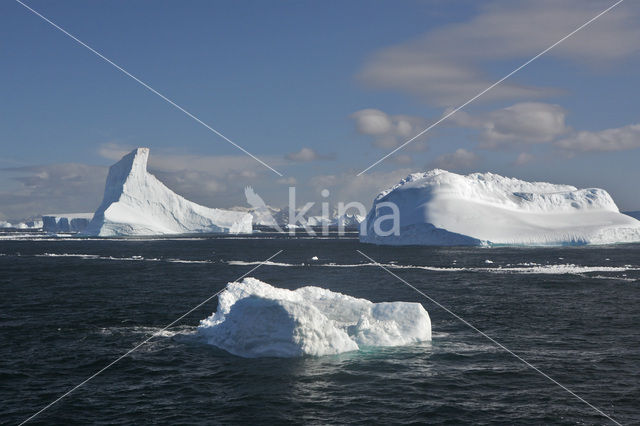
(69, 307)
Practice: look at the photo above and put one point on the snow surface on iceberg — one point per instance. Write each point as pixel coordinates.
(136, 203)
(442, 208)
(255, 319)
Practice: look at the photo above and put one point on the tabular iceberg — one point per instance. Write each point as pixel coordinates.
(255, 319)
(136, 203)
(442, 208)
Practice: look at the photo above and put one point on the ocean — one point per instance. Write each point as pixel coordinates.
(71, 306)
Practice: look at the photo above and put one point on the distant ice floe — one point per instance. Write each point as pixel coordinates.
(255, 319)
(29, 224)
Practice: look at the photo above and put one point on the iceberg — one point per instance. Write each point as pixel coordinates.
(34, 224)
(255, 319)
(347, 220)
(66, 222)
(442, 208)
(136, 203)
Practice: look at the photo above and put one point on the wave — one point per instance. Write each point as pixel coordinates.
(518, 268)
(95, 256)
(123, 259)
(267, 263)
(524, 268)
(150, 331)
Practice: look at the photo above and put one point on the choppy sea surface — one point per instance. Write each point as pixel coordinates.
(71, 306)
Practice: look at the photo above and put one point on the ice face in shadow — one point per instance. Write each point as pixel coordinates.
(66, 222)
(255, 319)
(442, 208)
(136, 203)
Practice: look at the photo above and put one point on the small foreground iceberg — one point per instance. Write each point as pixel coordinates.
(255, 319)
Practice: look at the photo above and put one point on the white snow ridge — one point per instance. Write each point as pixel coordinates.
(136, 203)
(255, 319)
(442, 208)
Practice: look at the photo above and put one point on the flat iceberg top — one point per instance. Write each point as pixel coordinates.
(443, 208)
(504, 192)
(136, 203)
(255, 319)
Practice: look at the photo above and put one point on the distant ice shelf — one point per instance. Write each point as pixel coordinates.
(136, 203)
(28, 224)
(255, 319)
(442, 208)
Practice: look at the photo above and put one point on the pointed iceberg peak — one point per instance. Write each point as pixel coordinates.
(137, 160)
(134, 164)
(136, 203)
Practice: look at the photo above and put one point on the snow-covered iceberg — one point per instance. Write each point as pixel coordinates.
(66, 222)
(442, 208)
(255, 319)
(136, 203)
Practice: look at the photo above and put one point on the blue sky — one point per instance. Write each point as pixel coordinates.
(348, 81)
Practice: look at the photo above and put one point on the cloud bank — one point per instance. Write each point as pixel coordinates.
(448, 65)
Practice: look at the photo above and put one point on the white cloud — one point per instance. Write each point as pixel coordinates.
(51, 188)
(523, 158)
(306, 155)
(526, 122)
(388, 131)
(372, 121)
(460, 159)
(447, 66)
(616, 139)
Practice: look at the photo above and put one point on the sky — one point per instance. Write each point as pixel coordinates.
(317, 90)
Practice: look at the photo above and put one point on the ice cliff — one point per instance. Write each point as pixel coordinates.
(442, 208)
(66, 222)
(136, 203)
(255, 319)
